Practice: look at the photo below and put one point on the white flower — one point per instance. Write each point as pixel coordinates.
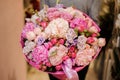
(81, 42)
(101, 42)
(82, 39)
(37, 30)
(34, 17)
(56, 54)
(70, 10)
(29, 45)
(30, 35)
(71, 35)
(57, 28)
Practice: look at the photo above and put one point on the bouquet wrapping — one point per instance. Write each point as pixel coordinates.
(61, 41)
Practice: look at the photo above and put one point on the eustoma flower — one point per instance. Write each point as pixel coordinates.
(56, 54)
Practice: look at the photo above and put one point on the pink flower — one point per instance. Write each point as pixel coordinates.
(90, 40)
(48, 64)
(73, 55)
(40, 55)
(93, 29)
(58, 67)
(72, 49)
(66, 16)
(51, 10)
(56, 54)
(54, 41)
(94, 35)
(65, 57)
(44, 24)
(29, 26)
(61, 41)
(48, 45)
(84, 57)
(53, 15)
(79, 23)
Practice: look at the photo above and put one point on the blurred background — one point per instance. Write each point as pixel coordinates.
(12, 62)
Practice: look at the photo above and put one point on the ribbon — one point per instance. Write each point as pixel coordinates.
(70, 73)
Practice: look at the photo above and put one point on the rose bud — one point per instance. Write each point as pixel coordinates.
(61, 41)
(44, 68)
(46, 45)
(54, 41)
(65, 57)
(58, 67)
(73, 55)
(93, 29)
(72, 49)
(44, 24)
(48, 64)
(69, 54)
(101, 42)
(94, 35)
(30, 35)
(90, 40)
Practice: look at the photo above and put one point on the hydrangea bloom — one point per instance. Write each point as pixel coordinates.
(39, 55)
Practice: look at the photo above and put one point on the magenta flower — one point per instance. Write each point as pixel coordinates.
(79, 23)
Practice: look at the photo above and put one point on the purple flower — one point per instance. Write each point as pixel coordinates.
(59, 6)
(71, 35)
(40, 40)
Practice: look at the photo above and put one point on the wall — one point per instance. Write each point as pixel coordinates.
(12, 63)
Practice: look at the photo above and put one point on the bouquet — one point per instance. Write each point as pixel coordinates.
(61, 41)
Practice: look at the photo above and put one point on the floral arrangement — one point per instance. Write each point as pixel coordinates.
(58, 38)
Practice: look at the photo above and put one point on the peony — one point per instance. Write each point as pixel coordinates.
(57, 28)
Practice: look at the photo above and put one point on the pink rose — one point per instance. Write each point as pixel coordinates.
(44, 24)
(54, 41)
(61, 41)
(58, 67)
(93, 29)
(90, 40)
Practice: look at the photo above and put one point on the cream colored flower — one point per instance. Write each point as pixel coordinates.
(57, 28)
